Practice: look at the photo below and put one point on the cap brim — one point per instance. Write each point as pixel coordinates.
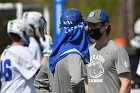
(91, 20)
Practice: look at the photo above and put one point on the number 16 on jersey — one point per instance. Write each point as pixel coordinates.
(5, 71)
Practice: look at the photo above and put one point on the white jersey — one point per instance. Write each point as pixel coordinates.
(35, 49)
(17, 68)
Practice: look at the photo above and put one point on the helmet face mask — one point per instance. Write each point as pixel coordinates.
(42, 27)
(35, 22)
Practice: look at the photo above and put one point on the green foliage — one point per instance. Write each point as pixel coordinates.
(85, 6)
(137, 7)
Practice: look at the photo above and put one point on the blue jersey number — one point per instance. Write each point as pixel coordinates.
(5, 71)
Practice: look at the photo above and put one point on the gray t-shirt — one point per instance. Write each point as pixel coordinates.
(69, 75)
(105, 66)
(43, 80)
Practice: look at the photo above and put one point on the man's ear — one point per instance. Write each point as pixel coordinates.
(106, 25)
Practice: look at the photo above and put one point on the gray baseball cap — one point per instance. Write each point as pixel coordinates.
(97, 16)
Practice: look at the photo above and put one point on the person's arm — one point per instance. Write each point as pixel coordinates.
(123, 69)
(44, 60)
(125, 79)
(86, 85)
(43, 80)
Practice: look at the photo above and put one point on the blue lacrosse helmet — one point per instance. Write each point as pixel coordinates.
(71, 17)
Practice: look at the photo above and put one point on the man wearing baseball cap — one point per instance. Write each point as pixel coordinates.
(109, 67)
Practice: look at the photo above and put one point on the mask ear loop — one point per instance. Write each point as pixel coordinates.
(88, 31)
(104, 31)
(104, 25)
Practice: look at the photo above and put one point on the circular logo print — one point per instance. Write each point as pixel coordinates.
(91, 14)
(96, 70)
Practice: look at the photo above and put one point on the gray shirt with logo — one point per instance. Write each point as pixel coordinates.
(105, 66)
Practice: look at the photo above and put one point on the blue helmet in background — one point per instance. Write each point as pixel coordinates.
(71, 17)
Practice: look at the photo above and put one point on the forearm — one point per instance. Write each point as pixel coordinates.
(125, 87)
(86, 85)
(125, 90)
(44, 60)
(125, 79)
(43, 80)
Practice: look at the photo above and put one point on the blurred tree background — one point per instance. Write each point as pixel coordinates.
(86, 6)
(112, 7)
(122, 14)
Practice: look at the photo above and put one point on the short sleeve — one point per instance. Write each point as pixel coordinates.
(27, 65)
(122, 62)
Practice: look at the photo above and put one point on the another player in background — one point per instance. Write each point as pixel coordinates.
(109, 67)
(17, 64)
(67, 60)
(36, 25)
(40, 45)
(39, 41)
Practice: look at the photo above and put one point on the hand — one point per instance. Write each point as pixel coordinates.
(47, 44)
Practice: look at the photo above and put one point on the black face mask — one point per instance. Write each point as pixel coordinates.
(95, 33)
